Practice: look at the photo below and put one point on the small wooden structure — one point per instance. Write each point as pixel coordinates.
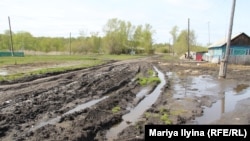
(199, 55)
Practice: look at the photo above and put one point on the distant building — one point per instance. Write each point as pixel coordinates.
(239, 52)
(199, 55)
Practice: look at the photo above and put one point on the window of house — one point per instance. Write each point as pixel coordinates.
(240, 51)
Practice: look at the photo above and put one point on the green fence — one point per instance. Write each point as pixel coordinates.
(5, 54)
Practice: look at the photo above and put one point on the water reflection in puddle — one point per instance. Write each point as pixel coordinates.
(138, 111)
(228, 92)
(188, 86)
(226, 104)
(142, 93)
(85, 105)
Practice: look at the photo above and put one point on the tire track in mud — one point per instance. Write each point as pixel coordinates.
(24, 104)
(134, 114)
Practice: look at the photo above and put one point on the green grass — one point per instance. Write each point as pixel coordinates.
(147, 114)
(119, 57)
(177, 112)
(83, 61)
(165, 119)
(150, 79)
(61, 58)
(168, 57)
(116, 109)
(47, 70)
(164, 116)
(40, 59)
(162, 49)
(151, 72)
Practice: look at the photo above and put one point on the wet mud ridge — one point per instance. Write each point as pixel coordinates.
(78, 105)
(107, 103)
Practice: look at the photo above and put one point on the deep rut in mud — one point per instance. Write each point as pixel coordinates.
(86, 104)
(26, 104)
(136, 112)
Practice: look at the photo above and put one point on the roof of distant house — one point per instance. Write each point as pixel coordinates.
(223, 41)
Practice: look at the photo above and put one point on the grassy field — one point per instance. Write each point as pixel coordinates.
(60, 58)
(18, 67)
(170, 57)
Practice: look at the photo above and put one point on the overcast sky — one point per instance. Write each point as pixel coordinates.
(60, 17)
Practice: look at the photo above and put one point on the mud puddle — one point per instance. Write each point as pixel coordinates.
(227, 103)
(76, 109)
(226, 92)
(136, 112)
(3, 72)
(189, 86)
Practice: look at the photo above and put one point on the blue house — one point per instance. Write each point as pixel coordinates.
(239, 52)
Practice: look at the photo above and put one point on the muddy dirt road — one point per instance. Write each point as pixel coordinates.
(88, 104)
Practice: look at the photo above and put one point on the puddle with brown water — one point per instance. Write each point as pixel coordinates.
(228, 92)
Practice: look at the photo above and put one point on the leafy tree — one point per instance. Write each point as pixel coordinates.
(137, 39)
(147, 40)
(162, 47)
(122, 37)
(23, 41)
(4, 42)
(174, 33)
(181, 44)
(116, 35)
(95, 42)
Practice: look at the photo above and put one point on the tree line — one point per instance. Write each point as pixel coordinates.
(120, 37)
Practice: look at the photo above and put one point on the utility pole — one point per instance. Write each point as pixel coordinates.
(208, 27)
(70, 43)
(11, 40)
(188, 41)
(224, 60)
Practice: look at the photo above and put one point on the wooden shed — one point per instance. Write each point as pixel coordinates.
(199, 55)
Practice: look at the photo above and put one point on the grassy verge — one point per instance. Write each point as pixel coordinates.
(170, 57)
(150, 79)
(163, 116)
(60, 58)
(73, 62)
